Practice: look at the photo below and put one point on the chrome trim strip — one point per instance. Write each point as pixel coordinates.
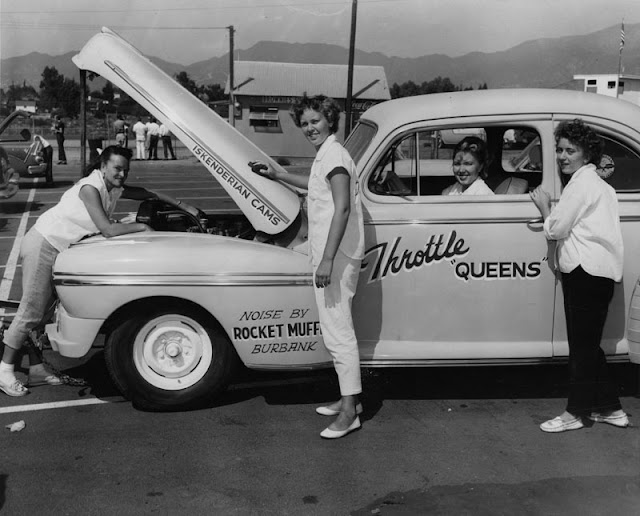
(476, 362)
(431, 363)
(168, 282)
(289, 367)
(413, 222)
(125, 77)
(185, 275)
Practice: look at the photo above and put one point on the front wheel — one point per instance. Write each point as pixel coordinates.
(170, 359)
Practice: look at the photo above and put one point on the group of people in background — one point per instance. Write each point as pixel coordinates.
(147, 137)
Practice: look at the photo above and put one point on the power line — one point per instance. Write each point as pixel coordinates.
(184, 9)
(70, 26)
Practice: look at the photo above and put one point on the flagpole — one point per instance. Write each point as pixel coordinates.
(620, 58)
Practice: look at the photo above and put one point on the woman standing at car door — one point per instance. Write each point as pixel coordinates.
(336, 239)
(85, 209)
(586, 225)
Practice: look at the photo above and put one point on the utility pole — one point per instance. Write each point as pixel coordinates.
(352, 45)
(232, 109)
(83, 125)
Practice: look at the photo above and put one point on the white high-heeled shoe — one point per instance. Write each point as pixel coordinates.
(327, 433)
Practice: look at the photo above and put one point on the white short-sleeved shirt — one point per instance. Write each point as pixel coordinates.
(153, 128)
(330, 156)
(69, 221)
(141, 131)
(478, 187)
(586, 224)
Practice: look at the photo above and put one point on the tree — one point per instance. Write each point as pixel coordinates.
(16, 92)
(213, 92)
(437, 85)
(51, 88)
(186, 82)
(69, 99)
(107, 92)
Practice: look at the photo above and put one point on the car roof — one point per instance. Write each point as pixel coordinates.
(398, 112)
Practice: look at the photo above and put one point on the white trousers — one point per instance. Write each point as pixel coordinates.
(336, 322)
(140, 152)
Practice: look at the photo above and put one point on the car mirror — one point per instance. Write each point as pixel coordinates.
(26, 135)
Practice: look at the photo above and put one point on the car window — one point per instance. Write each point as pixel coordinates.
(620, 166)
(359, 140)
(420, 163)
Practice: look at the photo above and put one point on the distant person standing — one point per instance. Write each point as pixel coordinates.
(119, 127)
(154, 136)
(167, 147)
(140, 130)
(58, 128)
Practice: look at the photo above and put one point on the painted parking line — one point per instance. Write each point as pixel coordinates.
(61, 404)
(12, 262)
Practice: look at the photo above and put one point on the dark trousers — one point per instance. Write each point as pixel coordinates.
(167, 147)
(61, 154)
(586, 302)
(153, 146)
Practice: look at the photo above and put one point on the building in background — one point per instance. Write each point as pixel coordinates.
(264, 93)
(622, 86)
(26, 105)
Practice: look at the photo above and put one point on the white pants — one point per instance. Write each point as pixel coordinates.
(336, 322)
(140, 152)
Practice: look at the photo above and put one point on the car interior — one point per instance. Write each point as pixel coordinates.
(515, 167)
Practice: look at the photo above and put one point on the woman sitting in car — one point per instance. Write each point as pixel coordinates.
(470, 163)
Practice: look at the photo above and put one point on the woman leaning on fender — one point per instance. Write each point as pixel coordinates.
(586, 225)
(85, 209)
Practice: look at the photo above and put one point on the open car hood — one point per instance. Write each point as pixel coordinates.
(270, 206)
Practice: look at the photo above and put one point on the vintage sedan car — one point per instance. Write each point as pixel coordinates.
(27, 154)
(445, 280)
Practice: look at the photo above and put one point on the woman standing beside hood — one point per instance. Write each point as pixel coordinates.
(586, 225)
(83, 210)
(336, 240)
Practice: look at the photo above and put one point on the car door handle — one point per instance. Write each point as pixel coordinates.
(535, 224)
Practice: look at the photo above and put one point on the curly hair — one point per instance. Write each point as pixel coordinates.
(320, 103)
(581, 135)
(477, 147)
(106, 154)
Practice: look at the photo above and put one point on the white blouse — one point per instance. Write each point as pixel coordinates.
(586, 224)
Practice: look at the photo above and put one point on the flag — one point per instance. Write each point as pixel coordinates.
(621, 36)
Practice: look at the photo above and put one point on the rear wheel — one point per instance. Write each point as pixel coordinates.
(170, 359)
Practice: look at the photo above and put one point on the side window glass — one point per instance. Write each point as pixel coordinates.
(620, 166)
(421, 163)
(519, 169)
(396, 172)
(436, 170)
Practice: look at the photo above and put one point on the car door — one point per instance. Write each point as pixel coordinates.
(455, 278)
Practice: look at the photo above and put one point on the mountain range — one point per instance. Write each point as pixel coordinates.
(548, 62)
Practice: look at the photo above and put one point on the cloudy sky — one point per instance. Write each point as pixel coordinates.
(186, 31)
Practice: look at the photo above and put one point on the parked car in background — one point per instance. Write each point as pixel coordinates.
(446, 280)
(27, 153)
(8, 177)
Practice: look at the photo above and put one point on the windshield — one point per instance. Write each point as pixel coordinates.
(359, 140)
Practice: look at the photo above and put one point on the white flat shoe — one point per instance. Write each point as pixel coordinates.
(621, 420)
(328, 411)
(556, 425)
(327, 433)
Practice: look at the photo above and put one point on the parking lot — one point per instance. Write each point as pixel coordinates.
(434, 441)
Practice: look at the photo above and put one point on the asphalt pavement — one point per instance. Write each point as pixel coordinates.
(434, 441)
